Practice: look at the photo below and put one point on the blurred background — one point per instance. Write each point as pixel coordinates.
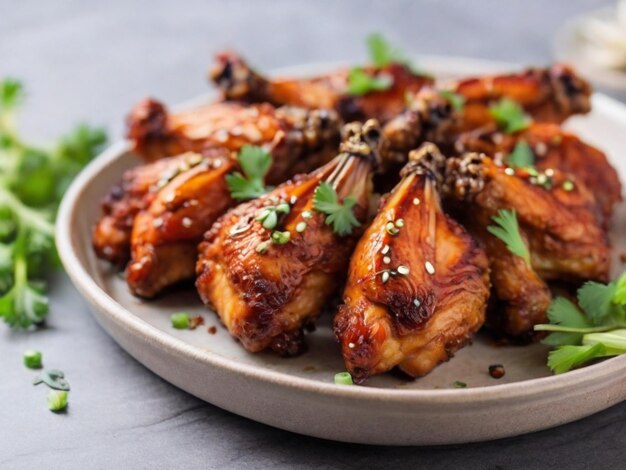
(92, 60)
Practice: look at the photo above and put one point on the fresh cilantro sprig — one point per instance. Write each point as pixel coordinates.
(32, 182)
(255, 162)
(339, 215)
(361, 83)
(509, 116)
(596, 329)
(522, 155)
(382, 54)
(507, 230)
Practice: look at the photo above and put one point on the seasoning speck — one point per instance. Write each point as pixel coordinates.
(496, 371)
(212, 330)
(430, 269)
(195, 322)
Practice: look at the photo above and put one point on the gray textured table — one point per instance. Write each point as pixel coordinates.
(92, 61)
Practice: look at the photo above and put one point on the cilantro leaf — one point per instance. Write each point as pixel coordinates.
(381, 52)
(340, 216)
(509, 115)
(255, 162)
(619, 297)
(456, 100)
(11, 93)
(360, 82)
(567, 357)
(565, 313)
(522, 156)
(507, 230)
(597, 301)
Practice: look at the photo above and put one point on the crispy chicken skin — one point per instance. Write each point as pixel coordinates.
(417, 289)
(166, 234)
(292, 131)
(549, 94)
(267, 292)
(557, 149)
(561, 228)
(239, 82)
(138, 187)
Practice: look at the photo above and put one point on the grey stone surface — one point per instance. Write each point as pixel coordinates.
(92, 61)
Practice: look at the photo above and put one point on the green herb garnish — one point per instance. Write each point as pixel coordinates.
(361, 83)
(382, 54)
(507, 230)
(343, 378)
(596, 329)
(54, 379)
(459, 384)
(255, 162)
(456, 100)
(57, 400)
(280, 238)
(180, 321)
(522, 156)
(32, 182)
(509, 115)
(32, 359)
(339, 215)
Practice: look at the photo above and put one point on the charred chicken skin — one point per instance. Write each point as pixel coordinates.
(559, 224)
(268, 279)
(239, 82)
(418, 284)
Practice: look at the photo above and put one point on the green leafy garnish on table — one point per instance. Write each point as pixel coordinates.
(360, 82)
(509, 116)
(32, 359)
(382, 54)
(255, 162)
(507, 230)
(57, 400)
(522, 156)
(54, 379)
(33, 180)
(595, 328)
(338, 214)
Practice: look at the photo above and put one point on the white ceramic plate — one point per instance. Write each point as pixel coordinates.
(299, 394)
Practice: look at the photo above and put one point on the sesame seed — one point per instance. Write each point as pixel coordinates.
(187, 222)
(385, 249)
(568, 186)
(541, 148)
(400, 223)
(157, 222)
(404, 270)
(300, 227)
(307, 214)
(385, 276)
(417, 302)
(386, 260)
(391, 229)
(430, 269)
(169, 198)
(293, 199)
(549, 172)
(351, 345)
(416, 201)
(509, 171)
(541, 179)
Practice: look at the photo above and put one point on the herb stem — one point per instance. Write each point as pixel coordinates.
(569, 329)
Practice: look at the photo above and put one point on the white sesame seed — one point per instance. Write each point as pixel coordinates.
(541, 148)
(416, 201)
(400, 223)
(417, 302)
(293, 199)
(385, 276)
(351, 345)
(549, 172)
(169, 198)
(307, 215)
(385, 249)
(157, 222)
(509, 171)
(300, 227)
(386, 260)
(404, 270)
(187, 222)
(430, 269)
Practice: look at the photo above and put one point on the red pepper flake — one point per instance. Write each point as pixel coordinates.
(212, 330)
(497, 371)
(195, 322)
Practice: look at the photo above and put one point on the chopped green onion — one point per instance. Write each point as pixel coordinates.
(180, 321)
(459, 384)
(57, 400)
(280, 238)
(343, 378)
(32, 359)
(568, 186)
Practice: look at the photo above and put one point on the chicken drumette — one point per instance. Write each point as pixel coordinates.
(239, 82)
(559, 225)
(268, 266)
(418, 284)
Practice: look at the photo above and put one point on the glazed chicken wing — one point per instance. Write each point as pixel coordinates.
(239, 82)
(554, 148)
(559, 225)
(417, 286)
(268, 266)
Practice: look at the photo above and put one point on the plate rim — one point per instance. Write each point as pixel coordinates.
(107, 305)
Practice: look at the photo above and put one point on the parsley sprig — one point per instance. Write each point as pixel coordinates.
(522, 155)
(361, 83)
(255, 162)
(339, 215)
(594, 329)
(509, 116)
(507, 230)
(32, 182)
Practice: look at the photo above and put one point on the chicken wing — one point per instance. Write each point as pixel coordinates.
(239, 82)
(268, 266)
(554, 148)
(298, 133)
(558, 223)
(418, 284)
